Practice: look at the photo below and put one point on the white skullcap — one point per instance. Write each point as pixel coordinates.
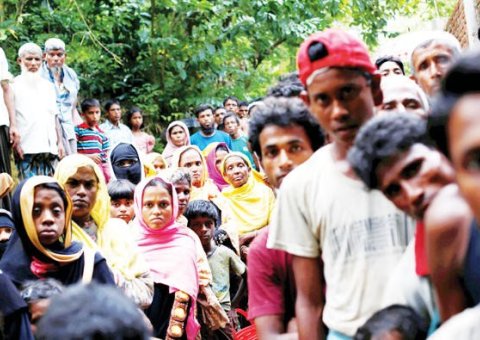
(29, 48)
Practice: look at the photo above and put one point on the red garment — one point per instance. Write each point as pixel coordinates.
(421, 263)
(271, 284)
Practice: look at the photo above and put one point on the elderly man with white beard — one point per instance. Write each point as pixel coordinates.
(66, 85)
(36, 114)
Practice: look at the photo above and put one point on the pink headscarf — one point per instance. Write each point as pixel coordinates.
(210, 154)
(170, 253)
(170, 148)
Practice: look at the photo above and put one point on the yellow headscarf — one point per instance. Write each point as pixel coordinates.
(114, 239)
(252, 203)
(149, 159)
(27, 196)
(207, 190)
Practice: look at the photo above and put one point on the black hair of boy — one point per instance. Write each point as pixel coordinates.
(89, 103)
(121, 189)
(129, 115)
(92, 311)
(289, 86)
(199, 109)
(284, 112)
(110, 102)
(243, 103)
(462, 78)
(395, 318)
(230, 114)
(235, 99)
(201, 208)
(382, 138)
(381, 60)
(41, 289)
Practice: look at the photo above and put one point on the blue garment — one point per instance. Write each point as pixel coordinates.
(66, 96)
(117, 134)
(471, 270)
(334, 335)
(241, 145)
(202, 141)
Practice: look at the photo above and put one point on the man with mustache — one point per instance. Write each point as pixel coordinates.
(208, 133)
(36, 113)
(67, 86)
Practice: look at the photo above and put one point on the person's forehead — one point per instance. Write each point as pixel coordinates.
(399, 92)
(190, 154)
(31, 55)
(56, 51)
(230, 119)
(432, 50)
(389, 65)
(275, 135)
(206, 112)
(332, 77)
(234, 160)
(85, 173)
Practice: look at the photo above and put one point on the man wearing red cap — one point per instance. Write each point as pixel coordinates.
(324, 210)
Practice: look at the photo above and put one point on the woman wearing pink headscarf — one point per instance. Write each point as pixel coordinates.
(177, 136)
(170, 253)
(214, 155)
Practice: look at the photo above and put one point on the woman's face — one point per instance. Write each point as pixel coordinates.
(177, 134)
(82, 188)
(136, 120)
(191, 160)
(219, 156)
(237, 171)
(48, 215)
(157, 208)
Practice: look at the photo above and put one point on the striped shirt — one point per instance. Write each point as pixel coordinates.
(91, 141)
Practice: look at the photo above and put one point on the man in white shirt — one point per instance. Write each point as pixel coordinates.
(35, 112)
(8, 126)
(324, 211)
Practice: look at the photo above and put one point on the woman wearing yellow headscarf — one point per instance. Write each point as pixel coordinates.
(92, 225)
(203, 188)
(249, 198)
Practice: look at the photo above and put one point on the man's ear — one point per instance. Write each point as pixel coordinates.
(412, 76)
(304, 96)
(376, 90)
(19, 61)
(44, 56)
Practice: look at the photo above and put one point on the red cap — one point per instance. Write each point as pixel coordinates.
(340, 49)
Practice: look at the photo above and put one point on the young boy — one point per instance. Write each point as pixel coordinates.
(91, 140)
(202, 219)
(232, 126)
(121, 199)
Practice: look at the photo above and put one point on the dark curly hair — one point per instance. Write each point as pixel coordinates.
(382, 138)
(284, 112)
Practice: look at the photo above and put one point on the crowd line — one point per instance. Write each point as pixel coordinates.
(342, 205)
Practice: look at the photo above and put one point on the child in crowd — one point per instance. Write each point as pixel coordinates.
(202, 218)
(121, 199)
(393, 322)
(142, 140)
(91, 140)
(37, 294)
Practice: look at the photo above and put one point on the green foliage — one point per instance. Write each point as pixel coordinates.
(168, 56)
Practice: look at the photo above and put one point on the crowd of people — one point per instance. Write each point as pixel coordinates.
(342, 205)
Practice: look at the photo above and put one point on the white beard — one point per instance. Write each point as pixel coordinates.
(32, 79)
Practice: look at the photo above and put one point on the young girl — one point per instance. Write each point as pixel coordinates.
(214, 155)
(170, 252)
(177, 136)
(142, 140)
